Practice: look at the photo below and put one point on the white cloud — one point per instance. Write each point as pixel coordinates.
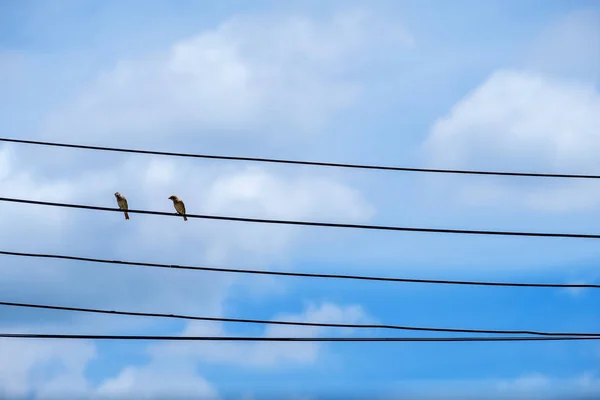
(265, 354)
(540, 386)
(521, 118)
(157, 381)
(34, 367)
(250, 74)
(529, 382)
(523, 121)
(543, 116)
(234, 191)
(253, 191)
(528, 386)
(173, 368)
(31, 366)
(240, 74)
(245, 191)
(228, 77)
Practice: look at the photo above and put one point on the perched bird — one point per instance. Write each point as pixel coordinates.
(122, 202)
(179, 206)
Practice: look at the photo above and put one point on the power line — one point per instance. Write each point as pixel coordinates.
(302, 274)
(298, 162)
(311, 223)
(294, 323)
(293, 339)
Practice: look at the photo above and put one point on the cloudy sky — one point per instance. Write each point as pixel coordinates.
(502, 85)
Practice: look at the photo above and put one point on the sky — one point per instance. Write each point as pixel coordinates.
(495, 85)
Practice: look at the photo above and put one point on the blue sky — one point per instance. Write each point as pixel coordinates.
(506, 85)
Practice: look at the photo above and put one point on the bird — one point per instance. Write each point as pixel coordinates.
(122, 202)
(179, 206)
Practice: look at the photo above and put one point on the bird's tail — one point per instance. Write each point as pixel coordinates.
(184, 218)
(126, 215)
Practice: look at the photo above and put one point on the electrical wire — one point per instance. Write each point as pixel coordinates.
(294, 323)
(302, 274)
(543, 336)
(293, 339)
(311, 223)
(298, 162)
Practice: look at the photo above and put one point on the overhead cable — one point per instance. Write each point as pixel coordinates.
(299, 162)
(293, 339)
(293, 323)
(303, 274)
(312, 223)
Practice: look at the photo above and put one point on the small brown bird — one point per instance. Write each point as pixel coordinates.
(179, 206)
(122, 202)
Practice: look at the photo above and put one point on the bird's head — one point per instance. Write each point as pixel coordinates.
(173, 198)
(117, 195)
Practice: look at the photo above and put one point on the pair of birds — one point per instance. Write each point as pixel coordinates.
(177, 203)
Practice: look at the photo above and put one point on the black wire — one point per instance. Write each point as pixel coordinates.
(310, 223)
(291, 339)
(297, 162)
(302, 274)
(295, 323)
